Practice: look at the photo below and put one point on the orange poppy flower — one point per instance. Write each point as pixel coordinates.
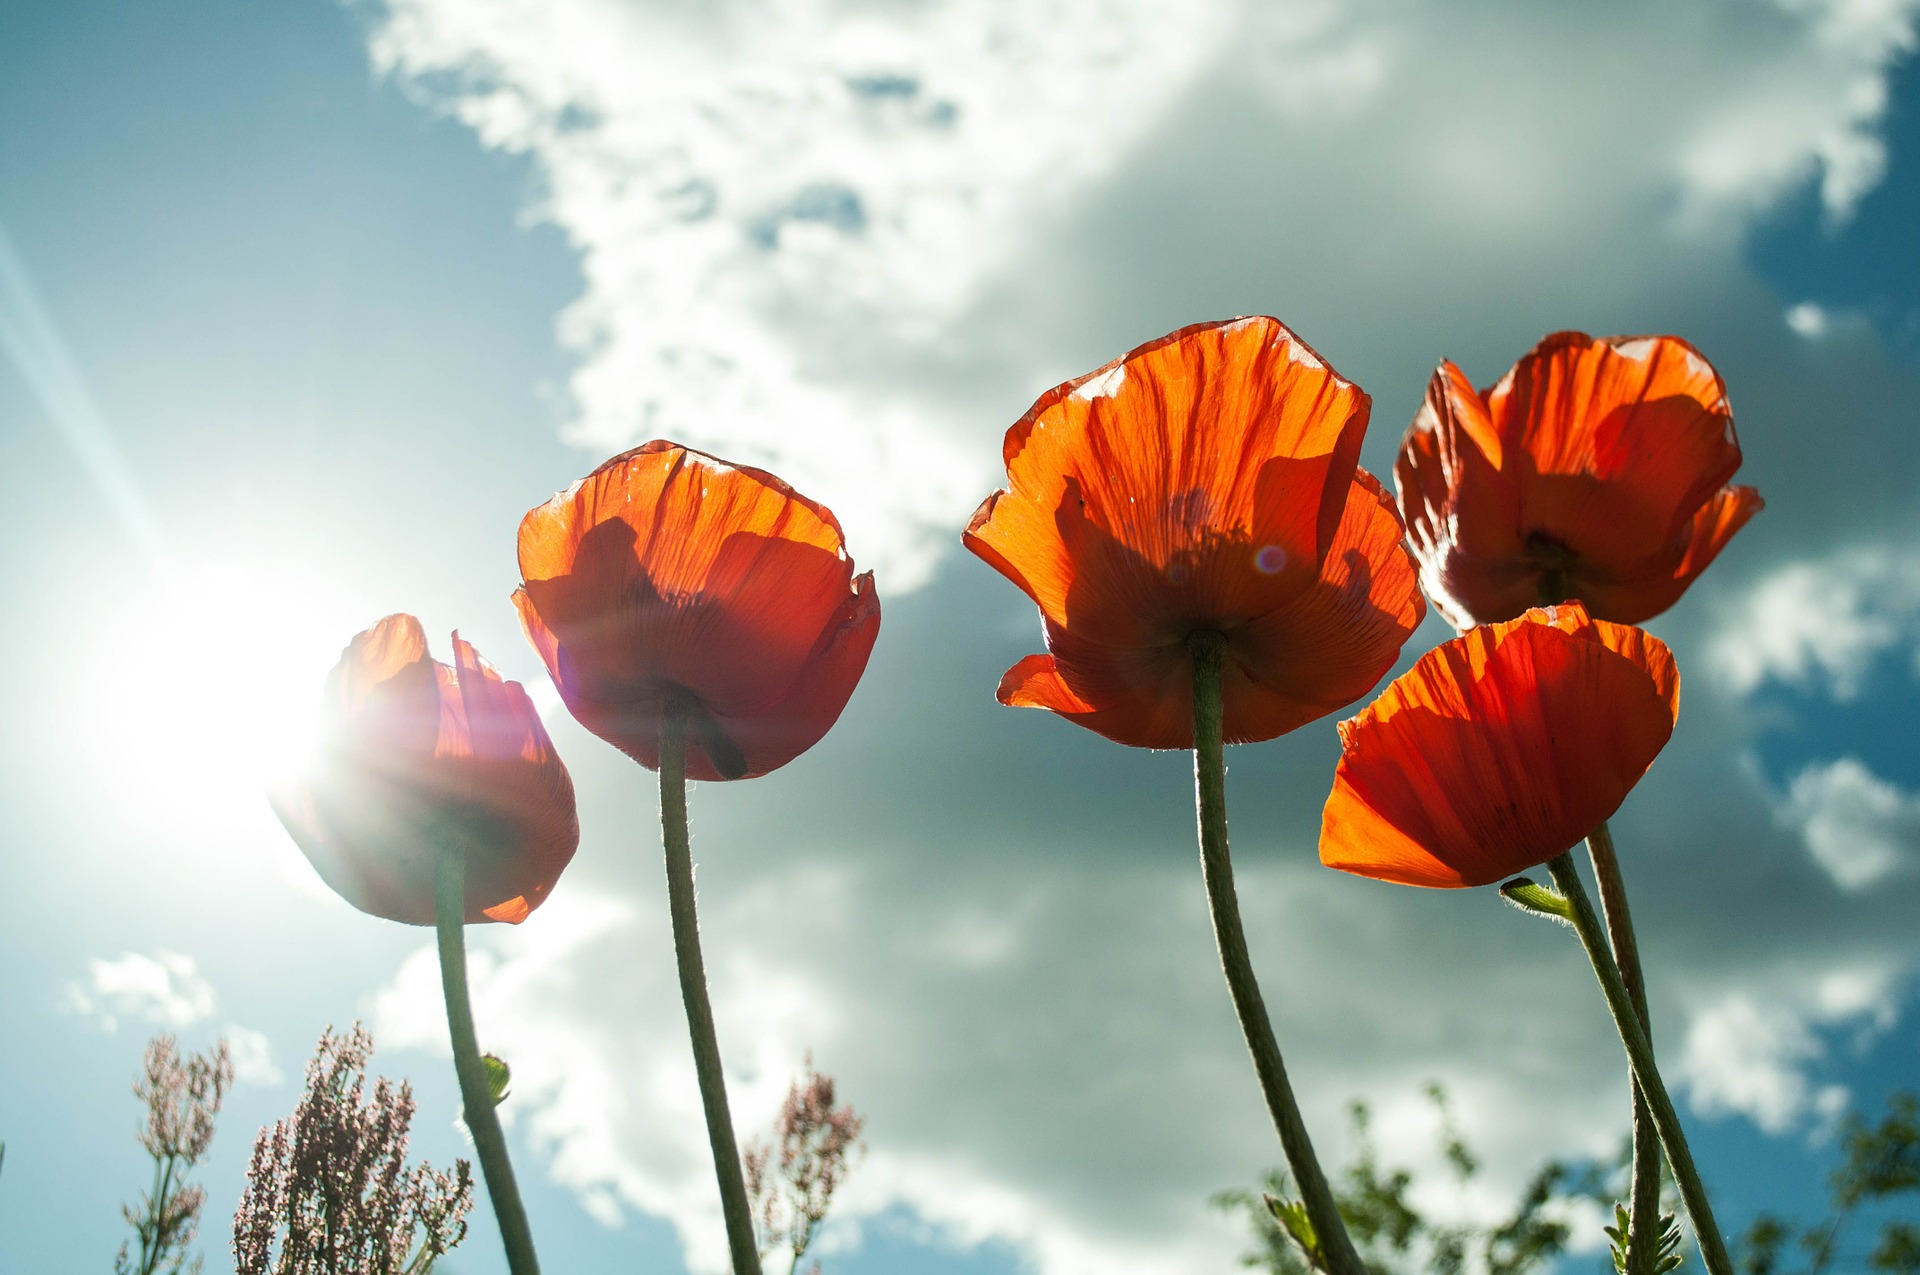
(414, 751)
(1208, 481)
(1595, 469)
(669, 576)
(1499, 750)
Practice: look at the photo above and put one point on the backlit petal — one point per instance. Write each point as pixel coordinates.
(1498, 750)
(670, 575)
(1334, 641)
(1637, 597)
(1231, 432)
(1324, 648)
(1204, 483)
(772, 736)
(418, 753)
(1588, 472)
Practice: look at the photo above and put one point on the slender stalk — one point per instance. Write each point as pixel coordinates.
(1713, 1249)
(693, 991)
(476, 1098)
(1643, 1226)
(1216, 867)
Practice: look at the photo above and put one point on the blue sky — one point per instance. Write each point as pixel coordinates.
(351, 288)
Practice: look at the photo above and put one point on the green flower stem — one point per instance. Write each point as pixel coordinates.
(1713, 1249)
(1216, 866)
(1643, 1229)
(693, 990)
(476, 1098)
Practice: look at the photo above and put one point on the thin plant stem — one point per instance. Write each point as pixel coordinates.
(1713, 1249)
(1643, 1226)
(476, 1096)
(1216, 867)
(693, 991)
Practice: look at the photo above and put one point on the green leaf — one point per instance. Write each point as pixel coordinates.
(1293, 1219)
(499, 1077)
(1529, 896)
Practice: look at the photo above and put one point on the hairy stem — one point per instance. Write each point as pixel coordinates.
(693, 991)
(1643, 1228)
(1216, 866)
(1646, 1075)
(476, 1097)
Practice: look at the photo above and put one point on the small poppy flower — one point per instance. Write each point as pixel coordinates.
(414, 752)
(667, 576)
(1499, 750)
(1596, 469)
(1206, 482)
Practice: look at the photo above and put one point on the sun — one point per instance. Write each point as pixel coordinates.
(204, 686)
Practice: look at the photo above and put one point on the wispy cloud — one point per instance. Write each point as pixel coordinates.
(165, 991)
(1858, 827)
(1821, 623)
(1752, 1055)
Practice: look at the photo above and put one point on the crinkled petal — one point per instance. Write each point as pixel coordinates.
(1461, 512)
(1498, 750)
(1635, 597)
(1588, 472)
(770, 737)
(668, 568)
(426, 753)
(1334, 641)
(1228, 434)
(1323, 649)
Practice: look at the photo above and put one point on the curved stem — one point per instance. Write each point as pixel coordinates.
(476, 1097)
(1216, 866)
(1713, 1249)
(693, 991)
(1643, 1228)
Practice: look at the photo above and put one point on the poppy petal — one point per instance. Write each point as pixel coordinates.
(1315, 654)
(1163, 456)
(669, 567)
(770, 737)
(417, 752)
(1498, 750)
(1588, 471)
(1140, 720)
(1639, 597)
(1333, 642)
(1461, 512)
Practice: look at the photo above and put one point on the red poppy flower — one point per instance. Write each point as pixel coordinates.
(1595, 469)
(667, 575)
(415, 751)
(1499, 750)
(1208, 481)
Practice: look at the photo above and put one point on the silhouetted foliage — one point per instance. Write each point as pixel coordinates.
(1881, 1167)
(329, 1191)
(1394, 1237)
(817, 1143)
(182, 1097)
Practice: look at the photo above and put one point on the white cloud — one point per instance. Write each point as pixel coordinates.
(252, 1055)
(1857, 826)
(167, 992)
(996, 1072)
(852, 242)
(164, 990)
(1823, 620)
(1749, 1051)
(1808, 319)
(801, 227)
(771, 201)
